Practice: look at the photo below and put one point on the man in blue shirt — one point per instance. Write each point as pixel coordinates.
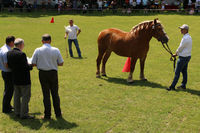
(7, 75)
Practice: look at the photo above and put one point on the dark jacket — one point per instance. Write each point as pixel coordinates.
(17, 62)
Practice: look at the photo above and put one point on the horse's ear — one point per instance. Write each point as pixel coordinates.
(155, 21)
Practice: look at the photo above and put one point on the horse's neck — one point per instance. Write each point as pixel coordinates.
(143, 32)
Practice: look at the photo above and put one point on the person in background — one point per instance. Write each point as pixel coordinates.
(100, 5)
(17, 62)
(72, 31)
(7, 75)
(184, 53)
(47, 59)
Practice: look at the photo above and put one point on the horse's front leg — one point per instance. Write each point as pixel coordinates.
(142, 63)
(133, 63)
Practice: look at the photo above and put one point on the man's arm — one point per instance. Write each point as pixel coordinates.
(34, 58)
(66, 34)
(60, 60)
(182, 46)
(79, 31)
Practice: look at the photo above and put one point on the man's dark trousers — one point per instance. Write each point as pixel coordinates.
(8, 91)
(49, 84)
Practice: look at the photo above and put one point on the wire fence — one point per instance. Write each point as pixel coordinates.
(119, 11)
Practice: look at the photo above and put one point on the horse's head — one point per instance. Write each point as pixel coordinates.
(158, 32)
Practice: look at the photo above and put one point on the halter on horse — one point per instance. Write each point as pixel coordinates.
(134, 44)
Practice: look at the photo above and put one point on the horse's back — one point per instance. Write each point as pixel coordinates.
(108, 34)
(111, 31)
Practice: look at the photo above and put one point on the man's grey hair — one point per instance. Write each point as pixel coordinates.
(18, 41)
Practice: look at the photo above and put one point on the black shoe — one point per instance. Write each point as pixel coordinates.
(17, 115)
(170, 88)
(181, 87)
(58, 116)
(28, 117)
(46, 117)
(8, 112)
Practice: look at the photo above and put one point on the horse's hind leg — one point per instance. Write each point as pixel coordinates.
(99, 58)
(105, 58)
(142, 62)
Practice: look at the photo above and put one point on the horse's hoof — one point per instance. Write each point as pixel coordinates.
(130, 81)
(98, 76)
(104, 75)
(144, 79)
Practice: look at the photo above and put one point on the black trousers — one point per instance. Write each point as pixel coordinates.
(8, 91)
(49, 84)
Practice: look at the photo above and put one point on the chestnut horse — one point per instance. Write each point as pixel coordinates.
(134, 44)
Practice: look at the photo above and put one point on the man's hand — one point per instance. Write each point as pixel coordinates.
(65, 37)
(79, 31)
(174, 55)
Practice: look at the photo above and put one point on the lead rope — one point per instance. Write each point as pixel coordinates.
(172, 58)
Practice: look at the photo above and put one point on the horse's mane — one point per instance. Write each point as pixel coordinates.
(142, 25)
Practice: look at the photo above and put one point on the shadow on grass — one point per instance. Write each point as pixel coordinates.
(60, 124)
(188, 90)
(135, 83)
(36, 124)
(79, 58)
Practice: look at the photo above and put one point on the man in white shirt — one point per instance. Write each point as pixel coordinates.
(184, 53)
(72, 31)
(7, 75)
(47, 59)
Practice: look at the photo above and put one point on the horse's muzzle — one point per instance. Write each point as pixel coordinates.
(164, 39)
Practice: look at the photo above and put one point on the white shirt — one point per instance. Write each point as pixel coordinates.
(100, 3)
(185, 46)
(47, 58)
(72, 31)
(3, 58)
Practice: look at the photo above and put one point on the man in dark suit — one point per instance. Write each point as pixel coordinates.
(17, 62)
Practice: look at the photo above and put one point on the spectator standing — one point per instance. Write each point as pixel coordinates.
(197, 5)
(47, 59)
(156, 3)
(100, 5)
(7, 75)
(72, 31)
(17, 62)
(138, 4)
(114, 5)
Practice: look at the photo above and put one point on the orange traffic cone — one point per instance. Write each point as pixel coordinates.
(127, 66)
(52, 20)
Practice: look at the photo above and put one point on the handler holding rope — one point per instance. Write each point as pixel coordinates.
(184, 53)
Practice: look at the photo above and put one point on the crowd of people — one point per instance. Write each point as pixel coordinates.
(102, 4)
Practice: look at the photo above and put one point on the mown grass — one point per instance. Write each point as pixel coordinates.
(92, 105)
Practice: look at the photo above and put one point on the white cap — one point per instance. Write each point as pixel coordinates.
(184, 26)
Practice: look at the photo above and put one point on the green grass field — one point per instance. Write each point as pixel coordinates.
(108, 105)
